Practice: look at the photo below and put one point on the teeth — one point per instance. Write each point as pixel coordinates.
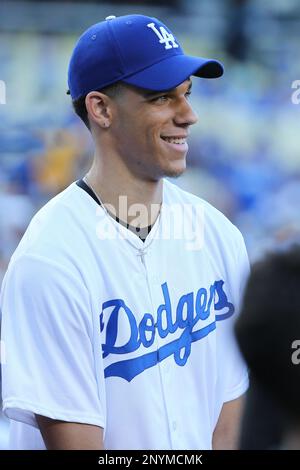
(175, 140)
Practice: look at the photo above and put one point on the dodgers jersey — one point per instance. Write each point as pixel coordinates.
(101, 328)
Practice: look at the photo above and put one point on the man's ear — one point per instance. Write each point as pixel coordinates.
(99, 108)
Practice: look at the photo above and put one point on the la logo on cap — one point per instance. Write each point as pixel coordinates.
(164, 37)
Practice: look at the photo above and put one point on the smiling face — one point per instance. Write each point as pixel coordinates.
(149, 130)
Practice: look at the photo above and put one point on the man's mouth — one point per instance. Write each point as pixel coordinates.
(175, 140)
(177, 143)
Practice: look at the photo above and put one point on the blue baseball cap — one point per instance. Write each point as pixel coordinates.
(135, 49)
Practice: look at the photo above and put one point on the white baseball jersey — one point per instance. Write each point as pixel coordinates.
(136, 337)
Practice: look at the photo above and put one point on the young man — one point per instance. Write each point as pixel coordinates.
(119, 302)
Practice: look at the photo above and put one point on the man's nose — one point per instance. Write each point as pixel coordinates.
(185, 114)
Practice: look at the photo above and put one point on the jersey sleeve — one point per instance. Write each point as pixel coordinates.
(233, 370)
(47, 332)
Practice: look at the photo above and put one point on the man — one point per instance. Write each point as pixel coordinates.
(118, 304)
(268, 332)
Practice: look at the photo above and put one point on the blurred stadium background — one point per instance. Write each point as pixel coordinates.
(244, 153)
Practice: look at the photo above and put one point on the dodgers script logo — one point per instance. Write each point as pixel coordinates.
(191, 310)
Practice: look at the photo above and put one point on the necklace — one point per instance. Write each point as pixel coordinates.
(114, 216)
(107, 212)
(89, 184)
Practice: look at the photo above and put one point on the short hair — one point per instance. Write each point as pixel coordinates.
(268, 325)
(79, 104)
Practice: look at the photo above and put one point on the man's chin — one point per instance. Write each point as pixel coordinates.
(175, 172)
(169, 171)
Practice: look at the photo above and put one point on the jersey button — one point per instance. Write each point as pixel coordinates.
(174, 425)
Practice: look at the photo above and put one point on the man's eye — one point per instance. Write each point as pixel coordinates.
(188, 94)
(160, 99)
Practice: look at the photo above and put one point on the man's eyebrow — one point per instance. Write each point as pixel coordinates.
(150, 93)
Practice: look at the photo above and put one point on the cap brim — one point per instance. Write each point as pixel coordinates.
(169, 73)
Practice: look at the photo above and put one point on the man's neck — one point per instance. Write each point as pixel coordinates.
(134, 201)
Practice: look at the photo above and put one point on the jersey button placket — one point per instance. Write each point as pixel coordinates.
(165, 365)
